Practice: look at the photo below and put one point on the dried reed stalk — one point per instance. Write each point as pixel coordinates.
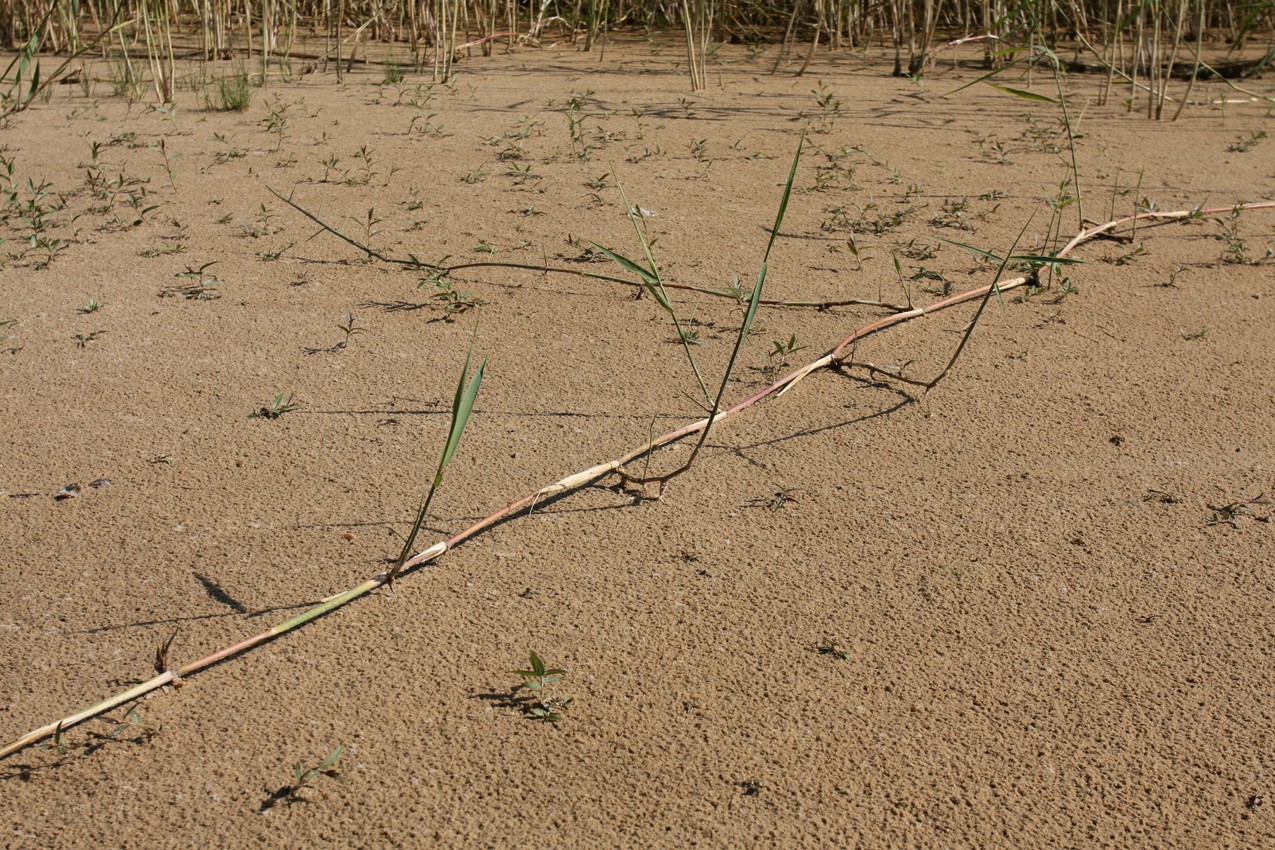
(835, 356)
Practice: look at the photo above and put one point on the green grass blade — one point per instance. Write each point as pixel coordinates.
(996, 258)
(634, 217)
(647, 276)
(1023, 94)
(986, 76)
(783, 202)
(462, 404)
(462, 407)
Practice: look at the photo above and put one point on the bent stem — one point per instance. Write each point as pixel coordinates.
(442, 270)
(744, 329)
(588, 476)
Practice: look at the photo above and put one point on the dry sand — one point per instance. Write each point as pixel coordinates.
(1041, 639)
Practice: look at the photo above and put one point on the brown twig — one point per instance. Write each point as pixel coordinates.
(412, 262)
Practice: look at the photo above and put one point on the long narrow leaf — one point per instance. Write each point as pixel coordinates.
(986, 76)
(460, 414)
(634, 215)
(621, 260)
(783, 202)
(1023, 94)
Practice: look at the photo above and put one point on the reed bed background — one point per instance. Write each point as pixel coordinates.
(1141, 43)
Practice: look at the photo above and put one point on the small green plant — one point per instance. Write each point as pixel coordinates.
(277, 122)
(781, 497)
(233, 92)
(365, 156)
(1131, 254)
(1231, 513)
(1172, 282)
(331, 164)
(829, 107)
(162, 149)
(82, 340)
(1244, 144)
(132, 722)
(1196, 334)
(304, 777)
(201, 285)
(1237, 250)
(475, 175)
(348, 328)
(92, 307)
(276, 408)
(834, 650)
(58, 744)
(369, 225)
(539, 706)
(454, 301)
(780, 352)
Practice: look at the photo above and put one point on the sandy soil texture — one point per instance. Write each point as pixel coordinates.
(1029, 609)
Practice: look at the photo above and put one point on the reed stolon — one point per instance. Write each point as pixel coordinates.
(835, 356)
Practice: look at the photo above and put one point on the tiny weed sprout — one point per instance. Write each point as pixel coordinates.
(201, 285)
(276, 408)
(1244, 144)
(82, 340)
(348, 328)
(834, 650)
(538, 705)
(1231, 513)
(304, 778)
(781, 497)
(132, 722)
(92, 307)
(781, 351)
(453, 301)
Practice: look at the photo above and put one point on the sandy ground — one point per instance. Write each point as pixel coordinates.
(1031, 609)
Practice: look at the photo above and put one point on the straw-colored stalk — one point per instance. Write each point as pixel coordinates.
(835, 356)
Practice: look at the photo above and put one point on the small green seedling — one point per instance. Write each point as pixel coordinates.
(1231, 513)
(454, 301)
(348, 328)
(781, 497)
(202, 285)
(132, 722)
(1244, 144)
(305, 777)
(781, 351)
(276, 408)
(82, 340)
(835, 650)
(535, 680)
(59, 744)
(1198, 334)
(233, 92)
(92, 307)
